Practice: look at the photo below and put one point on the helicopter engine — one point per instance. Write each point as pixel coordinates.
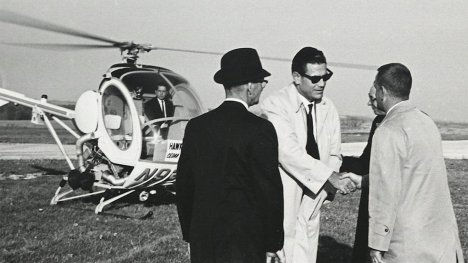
(77, 179)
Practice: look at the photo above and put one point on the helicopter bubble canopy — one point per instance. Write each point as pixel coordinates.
(144, 80)
(121, 120)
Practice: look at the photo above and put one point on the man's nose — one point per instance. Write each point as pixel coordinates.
(321, 83)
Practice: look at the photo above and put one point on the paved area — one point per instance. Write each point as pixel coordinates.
(11, 151)
(452, 150)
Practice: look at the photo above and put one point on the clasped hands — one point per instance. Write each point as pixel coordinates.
(345, 183)
(276, 257)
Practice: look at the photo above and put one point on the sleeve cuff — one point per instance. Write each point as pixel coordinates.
(379, 236)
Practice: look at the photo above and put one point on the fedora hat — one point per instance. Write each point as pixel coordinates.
(240, 66)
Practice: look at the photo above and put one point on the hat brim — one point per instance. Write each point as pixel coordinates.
(222, 78)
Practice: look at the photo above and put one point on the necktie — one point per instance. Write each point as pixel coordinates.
(312, 150)
(163, 108)
(311, 147)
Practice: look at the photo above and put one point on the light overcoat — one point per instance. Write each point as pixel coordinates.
(303, 177)
(410, 208)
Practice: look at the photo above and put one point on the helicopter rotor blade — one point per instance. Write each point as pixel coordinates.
(60, 47)
(333, 64)
(22, 20)
(188, 51)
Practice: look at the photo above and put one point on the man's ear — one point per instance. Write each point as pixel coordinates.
(384, 92)
(249, 88)
(296, 78)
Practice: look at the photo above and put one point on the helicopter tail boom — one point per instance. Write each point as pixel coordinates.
(18, 98)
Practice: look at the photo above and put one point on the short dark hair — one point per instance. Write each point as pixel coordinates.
(305, 56)
(162, 85)
(396, 78)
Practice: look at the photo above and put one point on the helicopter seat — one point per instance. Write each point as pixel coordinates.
(113, 121)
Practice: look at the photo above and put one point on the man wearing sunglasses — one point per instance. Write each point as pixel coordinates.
(309, 137)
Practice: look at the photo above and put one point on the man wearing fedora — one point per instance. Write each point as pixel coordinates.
(229, 190)
(309, 136)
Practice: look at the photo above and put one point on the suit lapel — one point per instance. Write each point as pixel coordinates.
(320, 115)
(298, 107)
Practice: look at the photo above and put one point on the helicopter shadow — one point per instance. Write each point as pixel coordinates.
(331, 251)
(113, 212)
(49, 171)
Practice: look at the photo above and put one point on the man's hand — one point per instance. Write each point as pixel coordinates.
(357, 179)
(345, 186)
(376, 256)
(278, 257)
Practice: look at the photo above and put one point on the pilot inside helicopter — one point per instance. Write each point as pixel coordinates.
(160, 106)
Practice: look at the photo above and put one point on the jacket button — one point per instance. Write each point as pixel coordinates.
(386, 229)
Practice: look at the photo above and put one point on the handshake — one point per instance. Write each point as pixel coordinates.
(345, 183)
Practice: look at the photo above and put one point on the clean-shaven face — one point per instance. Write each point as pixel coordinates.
(373, 101)
(308, 89)
(161, 92)
(258, 87)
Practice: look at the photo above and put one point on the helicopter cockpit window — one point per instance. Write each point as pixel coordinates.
(117, 117)
(185, 102)
(146, 82)
(143, 86)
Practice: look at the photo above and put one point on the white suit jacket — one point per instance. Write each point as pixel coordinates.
(286, 111)
(410, 208)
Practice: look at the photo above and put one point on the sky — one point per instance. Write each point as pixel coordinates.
(429, 37)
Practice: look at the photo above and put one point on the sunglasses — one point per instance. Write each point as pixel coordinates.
(316, 79)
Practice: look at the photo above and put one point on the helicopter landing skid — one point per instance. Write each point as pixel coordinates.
(103, 203)
(59, 197)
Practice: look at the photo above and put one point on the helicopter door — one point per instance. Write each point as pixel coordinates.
(119, 125)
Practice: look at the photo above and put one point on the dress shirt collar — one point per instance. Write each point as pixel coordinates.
(238, 100)
(306, 102)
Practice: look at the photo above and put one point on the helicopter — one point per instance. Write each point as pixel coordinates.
(119, 150)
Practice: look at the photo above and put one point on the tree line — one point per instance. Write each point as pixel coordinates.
(11, 111)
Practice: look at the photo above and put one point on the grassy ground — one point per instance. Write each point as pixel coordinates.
(34, 231)
(26, 132)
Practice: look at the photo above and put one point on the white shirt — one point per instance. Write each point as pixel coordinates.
(238, 100)
(163, 106)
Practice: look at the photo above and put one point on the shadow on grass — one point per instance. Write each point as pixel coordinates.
(330, 251)
(116, 208)
(112, 210)
(49, 171)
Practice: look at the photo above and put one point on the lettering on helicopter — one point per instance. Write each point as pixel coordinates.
(173, 150)
(157, 173)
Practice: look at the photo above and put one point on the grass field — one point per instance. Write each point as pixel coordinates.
(33, 231)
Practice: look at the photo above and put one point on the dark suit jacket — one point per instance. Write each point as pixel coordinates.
(153, 109)
(229, 191)
(360, 165)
